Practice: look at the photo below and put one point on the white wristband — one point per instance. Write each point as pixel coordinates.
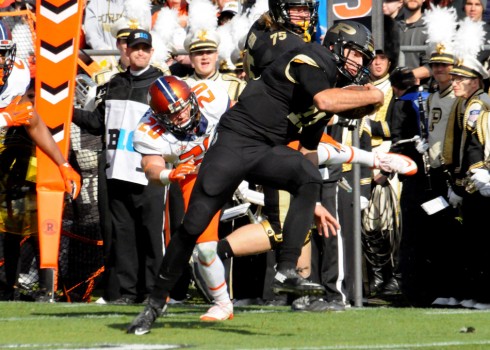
(318, 203)
(164, 176)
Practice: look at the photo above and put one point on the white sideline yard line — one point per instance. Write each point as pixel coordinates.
(379, 346)
(57, 346)
(455, 311)
(108, 346)
(35, 318)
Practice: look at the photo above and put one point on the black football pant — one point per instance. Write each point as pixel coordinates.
(230, 160)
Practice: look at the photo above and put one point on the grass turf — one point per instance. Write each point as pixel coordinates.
(75, 326)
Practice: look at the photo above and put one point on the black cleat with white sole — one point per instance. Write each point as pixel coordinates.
(143, 322)
(289, 281)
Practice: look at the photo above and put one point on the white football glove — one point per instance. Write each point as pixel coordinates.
(485, 190)
(480, 177)
(454, 199)
(421, 145)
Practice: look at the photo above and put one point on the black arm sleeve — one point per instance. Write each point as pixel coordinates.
(92, 122)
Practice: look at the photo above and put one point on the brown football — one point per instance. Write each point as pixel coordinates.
(355, 87)
(358, 112)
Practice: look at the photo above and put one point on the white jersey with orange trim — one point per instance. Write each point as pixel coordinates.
(17, 83)
(151, 138)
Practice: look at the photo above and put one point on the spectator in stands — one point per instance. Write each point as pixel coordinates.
(458, 5)
(229, 10)
(182, 8)
(136, 207)
(393, 8)
(100, 15)
(475, 9)
(137, 16)
(156, 6)
(413, 32)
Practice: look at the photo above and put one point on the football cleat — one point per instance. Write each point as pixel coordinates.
(143, 322)
(309, 303)
(289, 281)
(395, 163)
(222, 311)
(316, 304)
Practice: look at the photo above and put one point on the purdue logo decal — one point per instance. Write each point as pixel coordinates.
(343, 27)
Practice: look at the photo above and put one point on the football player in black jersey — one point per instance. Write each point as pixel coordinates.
(287, 25)
(294, 99)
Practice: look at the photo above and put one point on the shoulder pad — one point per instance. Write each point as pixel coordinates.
(315, 55)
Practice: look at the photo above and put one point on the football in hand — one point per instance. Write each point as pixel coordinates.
(358, 112)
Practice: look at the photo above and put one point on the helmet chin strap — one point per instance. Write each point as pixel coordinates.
(306, 37)
(306, 34)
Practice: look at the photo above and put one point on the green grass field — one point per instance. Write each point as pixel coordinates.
(30, 325)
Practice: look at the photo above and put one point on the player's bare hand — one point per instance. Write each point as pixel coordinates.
(325, 222)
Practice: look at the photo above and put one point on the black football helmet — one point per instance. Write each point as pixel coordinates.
(350, 35)
(279, 11)
(169, 95)
(7, 51)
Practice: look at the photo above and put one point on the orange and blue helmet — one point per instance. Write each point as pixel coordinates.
(169, 95)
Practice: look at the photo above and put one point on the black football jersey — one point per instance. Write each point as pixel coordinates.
(278, 107)
(264, 46)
